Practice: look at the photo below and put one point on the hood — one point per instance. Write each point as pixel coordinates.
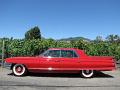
(16, 59)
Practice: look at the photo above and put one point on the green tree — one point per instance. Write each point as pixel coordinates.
(98, 39)
(113, 38)
(33, 33)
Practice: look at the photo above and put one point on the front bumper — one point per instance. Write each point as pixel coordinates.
(7, 65)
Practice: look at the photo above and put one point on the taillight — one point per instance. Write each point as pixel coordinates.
(114, 63)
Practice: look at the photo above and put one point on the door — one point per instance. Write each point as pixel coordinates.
(50, 60)
(69, 60)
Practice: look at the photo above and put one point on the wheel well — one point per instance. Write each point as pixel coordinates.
(12, 65)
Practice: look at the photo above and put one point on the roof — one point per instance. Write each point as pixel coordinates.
(63, 49)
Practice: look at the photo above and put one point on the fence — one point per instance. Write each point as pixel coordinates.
(2, 53)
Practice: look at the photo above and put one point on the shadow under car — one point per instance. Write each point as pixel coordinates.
(66, 75)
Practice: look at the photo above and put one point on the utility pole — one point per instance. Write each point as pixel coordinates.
(3, 51)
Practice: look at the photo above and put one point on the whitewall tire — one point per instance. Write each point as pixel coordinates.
(87, 73)
(19, 70)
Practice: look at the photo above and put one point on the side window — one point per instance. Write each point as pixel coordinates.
(52, 53)
(68, 53)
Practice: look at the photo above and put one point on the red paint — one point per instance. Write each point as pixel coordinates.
(61, 64)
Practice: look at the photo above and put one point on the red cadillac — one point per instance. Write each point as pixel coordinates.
(61, 60)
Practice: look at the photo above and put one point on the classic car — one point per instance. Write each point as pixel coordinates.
(61, 60)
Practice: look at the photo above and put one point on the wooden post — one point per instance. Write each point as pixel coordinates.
(3, 51)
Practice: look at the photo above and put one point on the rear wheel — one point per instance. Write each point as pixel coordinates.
(87, 73)
(19, 70)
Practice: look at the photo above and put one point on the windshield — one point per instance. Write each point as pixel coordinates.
(42, 54)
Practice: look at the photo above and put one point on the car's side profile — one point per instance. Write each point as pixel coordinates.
(61, 60)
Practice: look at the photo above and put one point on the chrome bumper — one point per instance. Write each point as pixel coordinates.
(7, 65)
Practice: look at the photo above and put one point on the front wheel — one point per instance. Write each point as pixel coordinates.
(87, 73)
(19, 70)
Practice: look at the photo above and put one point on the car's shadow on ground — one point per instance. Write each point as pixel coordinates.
(64, 75)
(102, 75)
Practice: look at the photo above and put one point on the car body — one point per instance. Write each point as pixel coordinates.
(61, 60)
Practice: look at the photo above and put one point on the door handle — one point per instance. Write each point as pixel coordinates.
(78, 61)
(57, 60)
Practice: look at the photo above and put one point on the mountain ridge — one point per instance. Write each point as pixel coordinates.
(73, 38)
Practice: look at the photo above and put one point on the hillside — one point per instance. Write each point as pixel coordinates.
(74, 38)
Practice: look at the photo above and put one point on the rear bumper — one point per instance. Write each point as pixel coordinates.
(7, 65)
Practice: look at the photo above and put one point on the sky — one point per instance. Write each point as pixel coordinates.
(60, 18)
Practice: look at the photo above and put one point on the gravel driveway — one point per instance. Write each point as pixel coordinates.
(104, 80)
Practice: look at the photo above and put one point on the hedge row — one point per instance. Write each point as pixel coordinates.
(34, 47)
